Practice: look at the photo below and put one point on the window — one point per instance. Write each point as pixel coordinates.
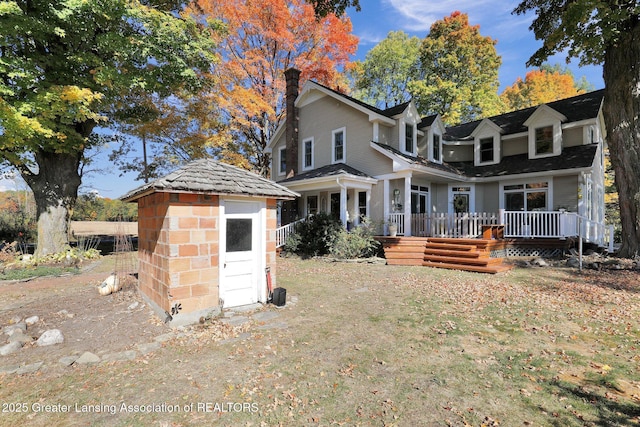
(239, 234)
(544, 140)
(419, 199)
(362, 204)
(436, 147)
(526, 197)
(339, 154)
(486, 150)
(408, 138)
(312, 205)
(283, 161)
(307, 155)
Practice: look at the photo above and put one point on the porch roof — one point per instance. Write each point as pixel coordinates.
(328, 171)
(419, 160)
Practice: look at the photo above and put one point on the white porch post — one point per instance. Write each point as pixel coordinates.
(385, 198)
(368, 204)
(343, 206)
(407, 205)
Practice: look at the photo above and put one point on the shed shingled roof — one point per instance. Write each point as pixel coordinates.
(208, 176)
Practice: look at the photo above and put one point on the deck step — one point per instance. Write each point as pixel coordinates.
(464, 261)
(493, 269)
(459, 254)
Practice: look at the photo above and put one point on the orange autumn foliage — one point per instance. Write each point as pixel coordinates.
(263, 38)
(539, 87)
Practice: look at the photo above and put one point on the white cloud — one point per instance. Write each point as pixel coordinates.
(7, 185)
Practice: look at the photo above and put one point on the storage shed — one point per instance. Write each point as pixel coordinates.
(206, 237)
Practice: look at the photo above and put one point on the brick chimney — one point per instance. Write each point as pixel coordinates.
(292, 77)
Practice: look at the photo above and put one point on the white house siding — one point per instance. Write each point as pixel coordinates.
(511, 147)
(565, 193)
(572, 137)
(487, 197)
(458, 153)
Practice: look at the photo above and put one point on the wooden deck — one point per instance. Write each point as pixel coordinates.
(457, 254)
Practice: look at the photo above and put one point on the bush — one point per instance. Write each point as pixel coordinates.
(315, 235)
(358, 243)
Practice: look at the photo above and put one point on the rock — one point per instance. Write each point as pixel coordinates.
(65, 313)
(10, 348)
(31, 320)
(21, 337)
(148, 347)
(163, 337)
(50, 337)
(87, 358)
(540, 262)
(29, 369)
(9, 369)
(573, 262)
(123, 355)
(265, 315)
(133, 306)
(15, 319)
(68, 360)
(11, 329)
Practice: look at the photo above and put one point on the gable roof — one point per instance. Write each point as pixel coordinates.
(575, 109)
(207, 176)
(333, 170)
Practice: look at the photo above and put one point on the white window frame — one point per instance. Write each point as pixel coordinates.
(524, 182)
(431, 147)
(344, 145)
(282, 151)
(304, 153)
(403, 138)
(471, 193)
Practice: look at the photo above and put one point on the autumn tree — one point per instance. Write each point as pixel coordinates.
(337, 7)
(458, 72)
(383, 77)
(608, 33)
(68, 66)
(540, 86)
(263, 39)
(165, 133)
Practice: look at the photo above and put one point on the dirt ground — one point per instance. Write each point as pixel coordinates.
(356, 345)
(72, 304)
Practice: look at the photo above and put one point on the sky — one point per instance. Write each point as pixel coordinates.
(515, 44)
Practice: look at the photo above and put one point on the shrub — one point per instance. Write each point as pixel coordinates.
(316, 235)
(358, 243)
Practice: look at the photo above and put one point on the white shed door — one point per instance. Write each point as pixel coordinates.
(240, 259)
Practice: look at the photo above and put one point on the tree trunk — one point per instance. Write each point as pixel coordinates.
(55, 189)
(621, 115)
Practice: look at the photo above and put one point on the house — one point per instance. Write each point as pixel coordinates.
(539, 172)
(206, 237)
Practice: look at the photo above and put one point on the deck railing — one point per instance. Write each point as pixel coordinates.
(460, 225)
(282, 233)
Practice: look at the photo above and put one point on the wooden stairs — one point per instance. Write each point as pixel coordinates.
(456, 254)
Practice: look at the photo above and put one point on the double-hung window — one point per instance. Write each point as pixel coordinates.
(408, 138)
(339, 153)
(436, 148)
(544, 140)
(486, 150)
(282, 168)
(307, 153)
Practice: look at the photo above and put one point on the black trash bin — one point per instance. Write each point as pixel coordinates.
(279, 297)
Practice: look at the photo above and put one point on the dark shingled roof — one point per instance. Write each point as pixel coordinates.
(581, 107)
(580, 156)
(388, 112)
(327, 171)
(208, 176)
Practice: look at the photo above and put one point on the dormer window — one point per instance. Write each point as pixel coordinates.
(338, 153)
(409, 138)
(544, 140)
(437, 148)
(486, 150)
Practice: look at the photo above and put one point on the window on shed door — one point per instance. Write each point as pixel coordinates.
(239, 234)
(338, 146)
(486, 150)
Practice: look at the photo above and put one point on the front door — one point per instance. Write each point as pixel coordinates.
(240, 236)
